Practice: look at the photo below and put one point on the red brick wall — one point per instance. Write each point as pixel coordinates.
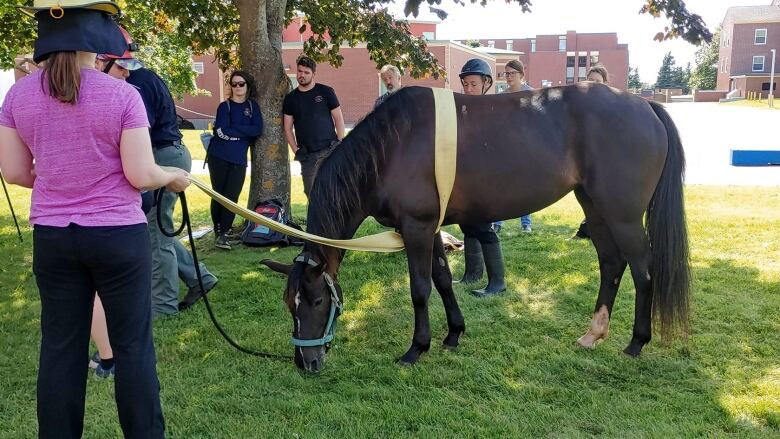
(356, 82)
(744, 48)
(458, 56)
(211, 80)
(708, 95)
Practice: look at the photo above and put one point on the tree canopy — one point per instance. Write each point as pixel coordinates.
(705, 74)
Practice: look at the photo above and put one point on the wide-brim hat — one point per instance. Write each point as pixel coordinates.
(57, 8)
(81, 30)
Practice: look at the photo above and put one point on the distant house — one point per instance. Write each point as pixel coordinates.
(748, 33)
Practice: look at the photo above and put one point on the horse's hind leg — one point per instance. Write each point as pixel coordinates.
(611, 267)
(632, 241)
(442, 280)
(419, 251)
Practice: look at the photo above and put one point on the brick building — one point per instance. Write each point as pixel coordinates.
(748, 33)
(550, 60)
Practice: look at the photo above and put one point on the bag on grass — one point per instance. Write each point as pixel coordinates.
(258, 235)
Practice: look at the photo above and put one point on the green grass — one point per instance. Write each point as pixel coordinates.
(753, 104)
(516, 374)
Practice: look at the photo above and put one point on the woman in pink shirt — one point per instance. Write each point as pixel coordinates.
(87, 135)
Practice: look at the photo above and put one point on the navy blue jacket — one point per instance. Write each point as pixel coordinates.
(160, 108)
(237, 126)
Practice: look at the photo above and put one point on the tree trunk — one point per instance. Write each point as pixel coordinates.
(260, 50)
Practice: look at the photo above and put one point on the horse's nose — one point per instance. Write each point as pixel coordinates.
(314, 366)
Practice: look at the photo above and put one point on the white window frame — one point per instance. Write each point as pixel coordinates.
(561, 39)
(755, 37)
(533, 45)
(492, 44)
(510, 45)
(753, 64)
(429, 36)
(198, 67)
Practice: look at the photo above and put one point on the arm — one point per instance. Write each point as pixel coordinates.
(288, 133)
(246, 132)
(222, 124)
(16, 161)
(138, 165)
(338, 121)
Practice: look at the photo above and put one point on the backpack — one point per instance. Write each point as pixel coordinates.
(258, 235)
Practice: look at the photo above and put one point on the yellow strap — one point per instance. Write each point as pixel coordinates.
(446, 147)
(385, 242)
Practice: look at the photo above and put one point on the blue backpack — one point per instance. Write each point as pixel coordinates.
(258, 235)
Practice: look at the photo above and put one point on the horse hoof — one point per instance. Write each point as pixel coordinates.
(633, 349)
(589, 341)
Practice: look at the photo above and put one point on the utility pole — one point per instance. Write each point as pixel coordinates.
(771, 98)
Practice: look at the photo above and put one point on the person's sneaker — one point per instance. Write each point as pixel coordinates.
(194, 294)
(223, 242)
(103, 373)
(94, 360)
(527, 229)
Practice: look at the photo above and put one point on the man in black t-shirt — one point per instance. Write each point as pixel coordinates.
(314, 111)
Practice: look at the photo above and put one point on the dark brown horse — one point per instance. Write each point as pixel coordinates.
(517, 153)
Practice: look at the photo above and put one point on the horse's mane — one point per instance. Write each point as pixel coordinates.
(354, 165)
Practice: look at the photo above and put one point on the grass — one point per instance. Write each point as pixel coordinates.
(753, 104)
(516, 374)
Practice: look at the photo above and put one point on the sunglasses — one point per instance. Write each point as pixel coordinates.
(238, 84)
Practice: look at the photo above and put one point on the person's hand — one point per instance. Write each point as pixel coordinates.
(180, 181)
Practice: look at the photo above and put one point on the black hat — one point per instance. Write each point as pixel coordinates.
(84, 30)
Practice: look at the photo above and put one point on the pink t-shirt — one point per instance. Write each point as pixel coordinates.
(79, 177)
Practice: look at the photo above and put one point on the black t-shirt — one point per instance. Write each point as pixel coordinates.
(314, 129)
(160, 107)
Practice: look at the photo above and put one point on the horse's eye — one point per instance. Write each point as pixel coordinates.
(318, 301)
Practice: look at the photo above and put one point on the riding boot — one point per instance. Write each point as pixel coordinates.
(494, 262)
(474, 262)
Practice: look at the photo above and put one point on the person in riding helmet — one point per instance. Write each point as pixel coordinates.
(482, 246)
(119, 66)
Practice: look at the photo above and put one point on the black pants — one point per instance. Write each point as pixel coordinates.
(483, 232)
(228, 180)
(309, 164)
(70, 265)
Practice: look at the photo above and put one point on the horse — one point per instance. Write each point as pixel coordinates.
(516, 154)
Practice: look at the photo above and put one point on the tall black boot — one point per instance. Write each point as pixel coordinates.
(474, 262)
(494, 262)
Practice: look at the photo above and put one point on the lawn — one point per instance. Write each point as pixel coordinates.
(517, 372)
(753, 104)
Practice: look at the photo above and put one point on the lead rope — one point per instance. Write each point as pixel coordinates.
(185, 213)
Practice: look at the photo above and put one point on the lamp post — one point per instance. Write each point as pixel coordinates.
(772, 81)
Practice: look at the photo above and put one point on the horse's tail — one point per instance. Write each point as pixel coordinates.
(666, 228)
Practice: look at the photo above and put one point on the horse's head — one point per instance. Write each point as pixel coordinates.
(313, 297)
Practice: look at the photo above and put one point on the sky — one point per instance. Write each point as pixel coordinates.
(499, 20)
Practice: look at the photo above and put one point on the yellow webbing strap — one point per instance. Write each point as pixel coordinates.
(446, 147)
(385, 242)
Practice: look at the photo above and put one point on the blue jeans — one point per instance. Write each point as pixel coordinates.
(70, 265)
(525, 220)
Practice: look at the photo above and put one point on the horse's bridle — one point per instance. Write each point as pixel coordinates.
(335, 309)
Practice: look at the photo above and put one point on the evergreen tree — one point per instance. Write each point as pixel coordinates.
(633, 78)
(666, 74)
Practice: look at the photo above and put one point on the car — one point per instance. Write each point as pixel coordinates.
(184, 124)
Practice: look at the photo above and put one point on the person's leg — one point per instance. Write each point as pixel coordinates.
(66, 292)
(525, 223)
(99, 333)
(234, 183)
(165, 272)
(189, 276)
(307, 173)
(472, 252)
(494, 261)
(121, 268)
(218, 170)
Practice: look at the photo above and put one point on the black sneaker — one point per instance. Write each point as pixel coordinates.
(194, 294)
(223, 242)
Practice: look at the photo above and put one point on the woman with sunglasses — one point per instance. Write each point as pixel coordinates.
(239, 123)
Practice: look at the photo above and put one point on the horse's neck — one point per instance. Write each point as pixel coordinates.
(333, 256)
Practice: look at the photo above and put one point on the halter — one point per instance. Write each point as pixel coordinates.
(336, 308)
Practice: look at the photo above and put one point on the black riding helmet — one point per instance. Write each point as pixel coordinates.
(476, 66)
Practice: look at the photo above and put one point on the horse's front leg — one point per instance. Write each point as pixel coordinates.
(442, 280)
(419, 251)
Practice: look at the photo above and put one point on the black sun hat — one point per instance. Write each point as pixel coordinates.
(76, 26)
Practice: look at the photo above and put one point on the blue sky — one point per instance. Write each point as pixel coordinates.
(499, 20)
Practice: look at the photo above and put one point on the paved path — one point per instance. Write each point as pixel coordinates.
(709, 131)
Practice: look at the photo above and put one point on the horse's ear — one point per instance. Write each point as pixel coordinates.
(277, 266)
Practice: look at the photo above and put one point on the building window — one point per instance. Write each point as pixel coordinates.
(760, 37)
(430, 36)
(594, 58)
(546, 83)
(570, 61)
(533, 46)
(765, 86)
(510, 45)
(582, 60)
(581, 73)
(198, 67)
(562, 43)
(758, 63)
(492, 44)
